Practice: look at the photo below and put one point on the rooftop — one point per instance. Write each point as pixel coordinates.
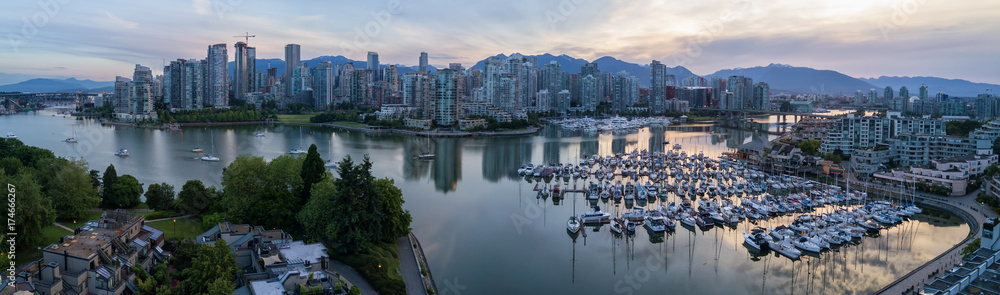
(298, 250)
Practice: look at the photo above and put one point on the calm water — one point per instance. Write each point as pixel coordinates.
(483, 230)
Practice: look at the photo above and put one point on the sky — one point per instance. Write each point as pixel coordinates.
(99, 40)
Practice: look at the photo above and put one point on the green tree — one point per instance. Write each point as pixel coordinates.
(369, 211)
(127, 190)
(194, 198)
(860, 112)
(70, 188)
(212, 264)
(312, 172)
(315, 215)
(108, 196)
(257, 192)
(395, 221)
(11, 164)
(160, 196)
(961, 128)
(34, 210)
(996, 146)
(991, 171)
(95, 179)
(786, 106)
(810, 146)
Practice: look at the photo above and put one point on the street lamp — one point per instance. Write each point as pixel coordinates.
(175, 227)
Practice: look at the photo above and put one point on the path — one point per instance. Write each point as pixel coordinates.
(63, 226)
(928, 272)
(409, 267)
(353, 276)
(171, 218)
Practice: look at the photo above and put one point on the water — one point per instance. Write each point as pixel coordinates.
(482, 228)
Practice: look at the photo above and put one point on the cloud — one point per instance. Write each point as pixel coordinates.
(202, 7)
(122, 22)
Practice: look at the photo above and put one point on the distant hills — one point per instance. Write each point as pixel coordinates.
(781, 78)
(56, 85)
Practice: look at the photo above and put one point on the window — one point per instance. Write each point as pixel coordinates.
(102, 283)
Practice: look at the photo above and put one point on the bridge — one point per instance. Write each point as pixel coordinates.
(763, 112)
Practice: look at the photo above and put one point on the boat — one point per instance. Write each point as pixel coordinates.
(210, 158)
(426, 156)
(11, 135)
(595, 216)
(296, 151)
(786, 248)
(71, 140)
(258, 133)
(331, 163)
(122, 152)
(197, 150)
(677, 146)
(655, 223)
(758, 241)
(804, 244)
(572, 225)
(617, 225)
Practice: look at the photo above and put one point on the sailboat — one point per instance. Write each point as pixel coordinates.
(299, 149)
(427, 155)
(208, 157)
(72, 139)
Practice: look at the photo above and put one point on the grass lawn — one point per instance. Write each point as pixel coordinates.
(301, 118)
(187, 228)
(384, 279)
(91, 215)
(352, 124)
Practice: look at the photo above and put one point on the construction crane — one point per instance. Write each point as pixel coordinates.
(247, 36)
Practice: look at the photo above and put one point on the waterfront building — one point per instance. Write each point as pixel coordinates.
(466, 124)
(677, 105)
(742, 89)
(812, 128)
(485, 109)
(626, 92)
(657, 86)
(447, 102)
(851, 133)
(216, 73)
(99, 258)
(912, 149)
(244, 69)
(761, 96)
(416, 92)
(589, 92)
(273, 262)
(122, 94)
(697, 97)
(562, 101)
(323, 85)
(414, 123)
(952, 173)
(140, 102)
(292, 60)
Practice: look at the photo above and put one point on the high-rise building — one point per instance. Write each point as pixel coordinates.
(140, 102)
(123, 94)
(562, 101)
(423, 62)
(360, 88)
(696, 96)
(301, 82)
(761, 96)
(323, 85)
(887, 95)
(447, 103)
(742, 89)
(625, 91)
(374, 67)
(192, 89)
(416, 91)
(657, 86)
(923, 91)
(392, 79)
(719, 97)
(859, 99)
(244, 69)
(344, 78)
(589, 92)
(872, 96)
(172, 82)
(543, 100)
(904, 93)
(590, 69)
(292, 59)
(216, 86)
(552, 77)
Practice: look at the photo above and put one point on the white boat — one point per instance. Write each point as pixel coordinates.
(426, 156)
(786, 248)
(71, 140)
(656, 223)
(296, 151)
(331, 163)
(258, 133)
(122, 152)
(759, 240)
(595, 216)
(210, 158)
(572, 225)
(11, 135)
(804, 244)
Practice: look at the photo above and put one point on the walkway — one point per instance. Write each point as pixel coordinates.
(353, 276)
(172, 218)
(63, 226)
(409, 268)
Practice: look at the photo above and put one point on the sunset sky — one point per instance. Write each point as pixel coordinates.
(101, 39)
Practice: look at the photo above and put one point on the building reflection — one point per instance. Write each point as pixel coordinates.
(502, 157)
(414, 168)
(447, 167)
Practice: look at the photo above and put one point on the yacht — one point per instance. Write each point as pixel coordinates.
(786, 248)
(572, 225)
(426, 156)
(210, 158)
(595, 216)
(656, 223)
(11, 135)
(71, 140)
(758, 240)
(122, 152)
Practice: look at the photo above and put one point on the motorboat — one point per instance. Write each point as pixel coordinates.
(595, 216)
(331, 163)
(71, 140)
(258, 133)
(786, 248)
(426, 156)
(209, 158)
(758, 240)
(655, 223)
(197, 150)
(11, 135)
(296, 151)
(572, 225)
(804, 244)
(122, 152)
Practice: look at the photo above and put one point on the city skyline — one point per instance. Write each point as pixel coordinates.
(860, 39)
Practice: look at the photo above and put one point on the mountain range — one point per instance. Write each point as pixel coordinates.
(780, 77)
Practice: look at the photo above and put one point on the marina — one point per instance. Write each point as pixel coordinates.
(472, 210)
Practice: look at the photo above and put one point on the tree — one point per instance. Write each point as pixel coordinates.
(70, 188)
(212, 264)
(860, 112)
(369, 211)
(396, 221)
(108, 196)
(315, 215)
(95, 179)
(810, 146)
(996, 146)
(786, 106)
(34, 210)
(11, 165)
(991, 171)
(194, 198)
(312, 172)
(127, 191)
(257, 192)
(160, 196)
(961, 128)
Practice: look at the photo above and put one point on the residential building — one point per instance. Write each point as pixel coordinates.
(122, 94)
(742, 89)
(625, 91)
(374, 67)
(292, 60)
(423, 62)
(562, 101)
(923, 92)
(657, 86)
(417, 92)
(244, 67)
(99, 258)
(761, 96)
(216, 76)
(697, 97)
(851, 133)
(447, 102)
(887, 95)
(589, 92)
(322, 82)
